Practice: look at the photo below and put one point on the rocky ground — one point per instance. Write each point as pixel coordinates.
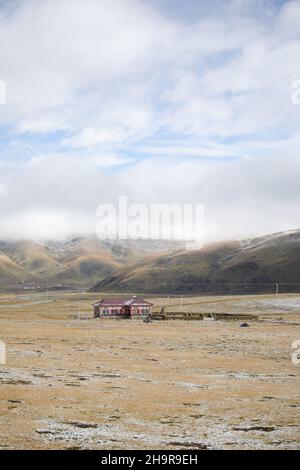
(121, 384)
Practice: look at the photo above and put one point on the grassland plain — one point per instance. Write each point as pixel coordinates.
(121, 384)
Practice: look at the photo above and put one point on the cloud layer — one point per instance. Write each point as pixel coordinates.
(133, 97)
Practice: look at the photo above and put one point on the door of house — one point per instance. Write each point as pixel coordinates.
(127, 311)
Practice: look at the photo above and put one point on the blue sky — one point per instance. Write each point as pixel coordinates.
(159, 99)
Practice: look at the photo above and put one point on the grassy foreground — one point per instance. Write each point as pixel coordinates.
(126, 384)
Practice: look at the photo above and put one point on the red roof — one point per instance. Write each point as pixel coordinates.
(123, 302)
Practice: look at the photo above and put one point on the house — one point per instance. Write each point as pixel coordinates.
(130, 307)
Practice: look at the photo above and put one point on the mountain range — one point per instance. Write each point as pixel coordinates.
(78, 262)
(153, 267)
(258, 265)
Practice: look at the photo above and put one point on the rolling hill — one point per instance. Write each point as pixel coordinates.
(247, 266)
(10, 271)
(252, 265)
(77, 262)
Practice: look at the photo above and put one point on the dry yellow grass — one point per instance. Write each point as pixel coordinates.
(126, 384)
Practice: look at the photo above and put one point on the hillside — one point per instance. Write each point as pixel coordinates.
(10, 271)
(153, 266)
(79, 261)
(248, 266)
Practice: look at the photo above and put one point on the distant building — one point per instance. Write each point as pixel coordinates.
(30, 285)
(132, 307)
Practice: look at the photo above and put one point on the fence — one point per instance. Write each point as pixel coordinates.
(193, 316)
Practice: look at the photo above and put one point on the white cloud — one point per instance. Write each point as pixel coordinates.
(289, 20)
(35, 225)
(112, 71)
(91, 83)
(69, 57)
(59, 194)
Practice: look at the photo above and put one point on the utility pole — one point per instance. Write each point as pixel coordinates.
(79, 307)
(277, 288)
(47, 296)
(181, 302)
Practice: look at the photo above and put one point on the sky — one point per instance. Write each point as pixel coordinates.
(163, 101)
